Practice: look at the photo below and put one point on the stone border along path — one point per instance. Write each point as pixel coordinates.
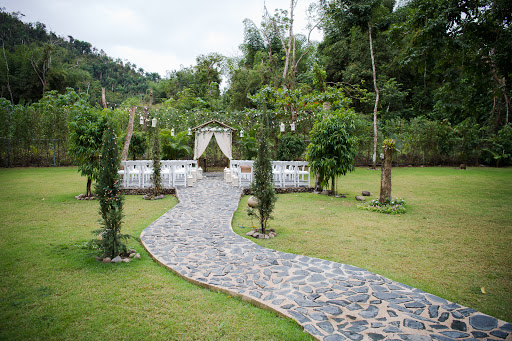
(331, 301)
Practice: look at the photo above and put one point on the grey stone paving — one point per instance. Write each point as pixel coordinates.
(332, 301)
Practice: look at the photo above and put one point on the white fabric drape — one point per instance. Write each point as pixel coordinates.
(224, 142)
(202, 140)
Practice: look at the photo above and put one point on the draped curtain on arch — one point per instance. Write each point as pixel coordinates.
(224, 142)
(202, 140)
(223, 136)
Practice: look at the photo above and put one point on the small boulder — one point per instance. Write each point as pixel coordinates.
(117, 259)
(132, 255)
(252, 202)
(360, 198)
(272, 234)
(107, 260)
(250, 233)
(137, 256)
(126, 260)
(366, 193)
(256, 234)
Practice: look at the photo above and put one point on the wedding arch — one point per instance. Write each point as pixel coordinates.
(223, 136)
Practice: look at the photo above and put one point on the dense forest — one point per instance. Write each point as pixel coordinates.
(432, 74)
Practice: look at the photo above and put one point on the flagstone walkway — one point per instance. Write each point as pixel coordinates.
(332, 301)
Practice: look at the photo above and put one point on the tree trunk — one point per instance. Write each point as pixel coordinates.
(88, 192)
(288, 49)
(333, 185)
(129, 132)
(146, 109)
(318, 183)
(374, 158)
(145, 118)
(385, 175)
(103, 98)
(7, 73)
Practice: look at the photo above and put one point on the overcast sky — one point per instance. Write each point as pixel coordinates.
(157, 35)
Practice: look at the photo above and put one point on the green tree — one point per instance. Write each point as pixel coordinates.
(331, 151)
(156, 177)
(207, 76)
(110, 199)
(85, 138)
(137, 145)
(262, 187)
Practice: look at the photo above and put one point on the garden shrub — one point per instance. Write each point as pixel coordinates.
(290, 147)
(395, 206)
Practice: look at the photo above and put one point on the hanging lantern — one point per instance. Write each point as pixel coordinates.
(153, 122)
(281, 127)
(189, 132)
(241, 133)
(141, 121)
(172, 132)
(292, 126)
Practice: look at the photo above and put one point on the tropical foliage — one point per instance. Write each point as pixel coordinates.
(331, 152)
(436, 79)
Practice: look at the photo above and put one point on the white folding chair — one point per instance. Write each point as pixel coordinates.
(166, 171)
(289, 174)
(179, 174)
(277, 173)
(133, 170)
(147, 172)
(122, 173)
(245, 174)
(303, 174)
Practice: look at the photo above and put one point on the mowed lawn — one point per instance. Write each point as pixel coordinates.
(51, 287)
(455, 241)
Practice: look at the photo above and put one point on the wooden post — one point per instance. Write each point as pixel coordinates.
(385, 175)
(129, 132)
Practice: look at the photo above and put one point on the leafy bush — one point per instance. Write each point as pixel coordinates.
(396, 206)
(138, 145)
(249, 146)
(331, 151)
(290, 147)
(174, 147)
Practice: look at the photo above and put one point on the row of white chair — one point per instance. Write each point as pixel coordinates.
(284, 173)
(174, 173)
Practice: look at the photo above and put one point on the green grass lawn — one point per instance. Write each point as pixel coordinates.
(52, 288)
(455, 239)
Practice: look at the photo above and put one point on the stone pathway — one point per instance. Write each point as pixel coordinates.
(331, 301)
